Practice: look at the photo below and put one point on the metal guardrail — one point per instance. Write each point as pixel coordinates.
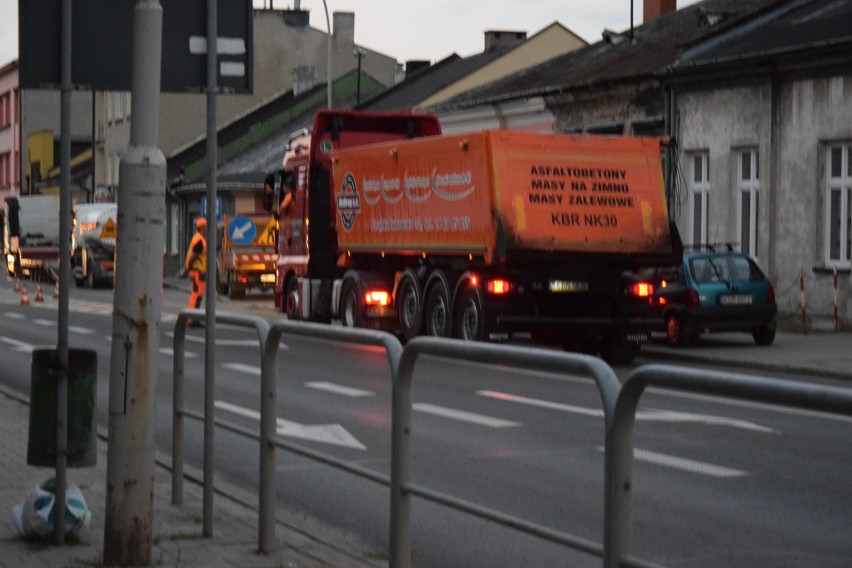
(619, 435)
(619, 406)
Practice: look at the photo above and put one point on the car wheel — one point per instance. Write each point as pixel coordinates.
(677, 333)
(764, 335)
(469, 316)
(438, 319)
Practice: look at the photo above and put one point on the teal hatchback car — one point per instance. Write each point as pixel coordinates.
(715, 291)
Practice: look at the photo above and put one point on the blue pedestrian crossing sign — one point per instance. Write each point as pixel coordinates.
(241, 231)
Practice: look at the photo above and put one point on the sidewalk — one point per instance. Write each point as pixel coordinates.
(824, 353)
(177, 529)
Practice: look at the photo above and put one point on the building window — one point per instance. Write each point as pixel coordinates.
(6, 109)
(5, 170)
(838, 205)
(748, 186)
(699, 187)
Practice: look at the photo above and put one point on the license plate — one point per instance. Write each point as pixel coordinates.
(568, 286)
(736, 300)
(268, 278)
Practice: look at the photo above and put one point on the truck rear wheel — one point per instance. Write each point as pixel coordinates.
(235, 289)
(438, 317)
(470, 321)
(408, 305)
(616, 349)
(350, 307)
(291, 299)
(221, 285)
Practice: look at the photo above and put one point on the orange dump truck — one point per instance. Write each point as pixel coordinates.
(477, 236)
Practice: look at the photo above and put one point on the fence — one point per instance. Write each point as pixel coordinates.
(619, 404)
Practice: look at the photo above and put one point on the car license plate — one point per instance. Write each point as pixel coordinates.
(736, 300)
(269, 278)
(568, 286)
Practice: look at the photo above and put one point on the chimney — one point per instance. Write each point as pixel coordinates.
(501, 37)
(656, 8)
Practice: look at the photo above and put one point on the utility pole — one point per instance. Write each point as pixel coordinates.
(128, 522)
(360, 53)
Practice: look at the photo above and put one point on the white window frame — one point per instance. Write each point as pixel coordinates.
(748, 188)
(838, 206)
(699, 193)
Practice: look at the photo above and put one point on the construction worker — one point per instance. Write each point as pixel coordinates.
(196, 266)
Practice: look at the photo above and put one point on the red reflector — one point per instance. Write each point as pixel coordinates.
(691, 298)
(474, 280)
(499, 286)
(377, 298)
(642, 290)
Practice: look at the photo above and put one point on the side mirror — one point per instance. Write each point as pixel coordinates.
(269, 193)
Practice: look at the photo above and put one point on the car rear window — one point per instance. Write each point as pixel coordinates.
(724, 269)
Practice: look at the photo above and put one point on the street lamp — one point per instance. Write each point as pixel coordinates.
(359, 53)
(328, 63)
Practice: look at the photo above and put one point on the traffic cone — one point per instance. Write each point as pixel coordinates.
(25, 297)
(17, 284)
(39, 294)
(56, 291)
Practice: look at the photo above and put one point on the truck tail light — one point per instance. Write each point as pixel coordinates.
(499, 287)
(691, 299)
(376, 298)
(642, 290)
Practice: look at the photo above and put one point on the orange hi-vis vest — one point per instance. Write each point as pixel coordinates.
(199, 262)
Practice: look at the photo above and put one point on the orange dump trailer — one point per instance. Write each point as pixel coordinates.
(500, 192)
(479, 236)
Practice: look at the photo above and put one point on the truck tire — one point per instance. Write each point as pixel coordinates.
(350, 307)
(470, 319)
(408, 305)
(91, 281)
(616, 349)
(235, 291)
(221, 286)
(438, 318)
(291, 306)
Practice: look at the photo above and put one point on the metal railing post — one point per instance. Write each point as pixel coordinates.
(268, 420)
(179, 360)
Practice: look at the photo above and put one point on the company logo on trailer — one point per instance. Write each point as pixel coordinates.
(348, 201)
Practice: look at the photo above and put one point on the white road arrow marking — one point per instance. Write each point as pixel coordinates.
(325, 433)
(470, 417)
(646, 415)
(18, 345)
(339, 389)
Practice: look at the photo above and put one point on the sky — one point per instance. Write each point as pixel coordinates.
(429, 29)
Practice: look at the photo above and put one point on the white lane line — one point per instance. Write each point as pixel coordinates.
(171, 353)
(597, 413)
(339, 389)
(80, 330)
(241, 368)
(684, 464)
(15, 316)
(18, 345)
(226, 342)
(463, 416)
(44, 322)
(642, 415)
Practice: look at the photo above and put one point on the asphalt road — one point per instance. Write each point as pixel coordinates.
(716, 482)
